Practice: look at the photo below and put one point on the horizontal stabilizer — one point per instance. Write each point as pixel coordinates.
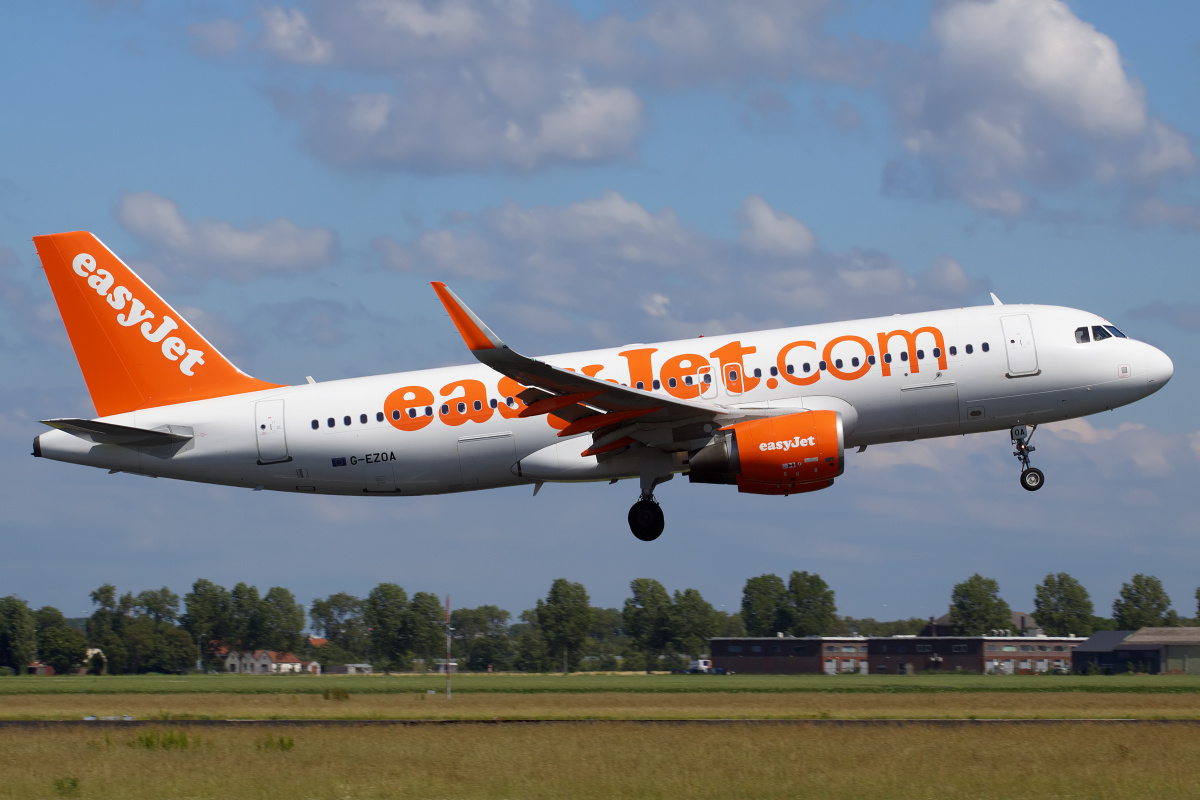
(122, 435)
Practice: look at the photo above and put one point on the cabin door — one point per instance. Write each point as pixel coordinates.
(268, 424)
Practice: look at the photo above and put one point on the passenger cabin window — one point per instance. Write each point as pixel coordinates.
(985, 347)
(1099, 333)
(970, 349)
(316, 424)
(379, 416)
(362, 418)
(346, 420)
(953, 350)
(757, 372)
(1081, 335)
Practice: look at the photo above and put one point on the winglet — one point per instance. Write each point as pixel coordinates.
(996, 300)
(477, 335)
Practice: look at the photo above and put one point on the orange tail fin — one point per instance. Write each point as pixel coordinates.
(134, 349)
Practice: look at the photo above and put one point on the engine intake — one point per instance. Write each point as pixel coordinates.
(789, 454)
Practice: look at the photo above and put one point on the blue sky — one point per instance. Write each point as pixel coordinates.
(292, 176)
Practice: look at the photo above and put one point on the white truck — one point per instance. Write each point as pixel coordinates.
(701, 666)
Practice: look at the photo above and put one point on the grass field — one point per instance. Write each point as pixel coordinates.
(611, 697)
(624, 760)
(588, 683)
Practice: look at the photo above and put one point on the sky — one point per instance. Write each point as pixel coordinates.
(584, 174)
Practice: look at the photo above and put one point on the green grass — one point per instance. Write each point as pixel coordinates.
(579, 684)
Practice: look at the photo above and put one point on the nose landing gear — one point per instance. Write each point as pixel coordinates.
(1031, 477)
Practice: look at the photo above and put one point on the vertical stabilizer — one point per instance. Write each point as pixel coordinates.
(135, 351)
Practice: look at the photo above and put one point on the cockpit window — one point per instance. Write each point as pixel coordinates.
(1111, 329)
(1099, 332)
(1081, 335)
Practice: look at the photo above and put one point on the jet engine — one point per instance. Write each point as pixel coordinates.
(788, 454)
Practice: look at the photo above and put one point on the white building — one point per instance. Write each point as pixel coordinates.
(268, 662)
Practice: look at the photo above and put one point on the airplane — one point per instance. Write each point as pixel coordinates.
(771, 412)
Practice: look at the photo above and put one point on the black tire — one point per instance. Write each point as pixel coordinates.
(646, 520)
(1032, 479)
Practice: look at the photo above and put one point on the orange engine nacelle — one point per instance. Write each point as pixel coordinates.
(791, 454)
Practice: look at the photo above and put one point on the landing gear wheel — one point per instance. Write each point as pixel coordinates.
(1032, 479)
(646, 520)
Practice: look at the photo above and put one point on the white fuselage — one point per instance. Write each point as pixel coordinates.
(962, 371)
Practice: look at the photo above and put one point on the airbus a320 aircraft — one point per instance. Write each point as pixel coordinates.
(771, 412)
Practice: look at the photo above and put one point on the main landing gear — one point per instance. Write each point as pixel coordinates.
(645, 516)
(1031, 477)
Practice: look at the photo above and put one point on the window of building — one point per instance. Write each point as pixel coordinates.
(756, 648)
(993, 647)
(1026, 648)
(798, 650)
(1058, 648)
(850, 648)
(735, 648)
(1009, 648)
(831, 648)
(959, 648)
(924, 648)
(774, 648)
(316, 425)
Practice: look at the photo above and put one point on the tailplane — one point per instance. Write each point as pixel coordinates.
(135, 351)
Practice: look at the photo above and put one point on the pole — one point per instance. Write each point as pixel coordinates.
(448, 630)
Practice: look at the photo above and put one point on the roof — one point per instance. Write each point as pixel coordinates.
(1154, 637)
(1103, 641)
(317, 642)
(1021, 620)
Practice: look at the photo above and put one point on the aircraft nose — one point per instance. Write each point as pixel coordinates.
(1159, 368)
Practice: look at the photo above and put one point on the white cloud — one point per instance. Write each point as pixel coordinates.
(770, 233)
(288, 35)
(1018, 95)
(216, 247)
(608, 270)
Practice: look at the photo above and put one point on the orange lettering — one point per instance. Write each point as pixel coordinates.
(471, 405)
(781, 364)
(641, 368)
(399, 403)
(733, 368)
(677, 370)
(838, 373)
(910, 338)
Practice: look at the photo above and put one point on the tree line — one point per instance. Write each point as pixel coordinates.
(393, 631)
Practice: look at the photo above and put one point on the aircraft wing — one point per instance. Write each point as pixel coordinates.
(122, 435)
(592, 404)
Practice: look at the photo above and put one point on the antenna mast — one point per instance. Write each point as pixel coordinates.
(448, 632)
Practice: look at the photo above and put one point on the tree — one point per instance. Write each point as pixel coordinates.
(283, 621)
(764, 606)
(58, 644)
(811, 609)
(731, 625)
(565, 618)
(647, 616)
(481, 638)
(693, 622)
(160, 606)
(426, 627)
(532, 654)
(339, 618)
(155, 646)
(1062, 606)
(208, 619)
(18, 643)
(384, 612)
(1143, 603)
(247, 619)
(976, 607)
